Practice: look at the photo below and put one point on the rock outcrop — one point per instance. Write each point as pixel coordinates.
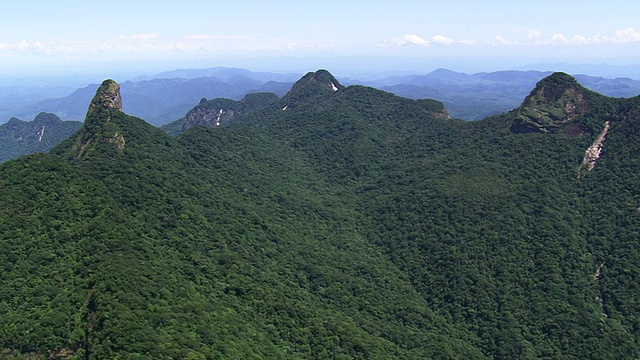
(592, 154)
(103, 123)
(557, 100)
(220, 112)
(107, 95)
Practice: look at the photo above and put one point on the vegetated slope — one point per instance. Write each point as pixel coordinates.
(214, 244)
(19, 137)
(333, 223)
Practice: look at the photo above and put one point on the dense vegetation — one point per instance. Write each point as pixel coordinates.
(345, 223)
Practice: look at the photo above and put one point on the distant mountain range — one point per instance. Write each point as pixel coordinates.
(165, 97)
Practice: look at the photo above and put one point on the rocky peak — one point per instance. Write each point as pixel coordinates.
(312, 85)
(555, 101)
(103, 123)
(107, 96)
(320, 79)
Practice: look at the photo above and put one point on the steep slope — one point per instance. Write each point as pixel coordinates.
(352, 224)
(19, 137)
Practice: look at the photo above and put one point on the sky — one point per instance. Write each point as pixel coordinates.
(68, 38)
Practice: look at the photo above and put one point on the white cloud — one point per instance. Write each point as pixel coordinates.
(411, 39)
(536, 37)
(500, 40)
(217, 37)
(559, 39)
(623, 36)
(141, 37)
(533, 38)
(441, 39)
(24, 47)
(626, 36)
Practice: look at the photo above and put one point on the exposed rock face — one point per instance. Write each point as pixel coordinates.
(557, 100)
(221, 112)
(107, 95)
(435, 108)
(209, 114)
(592, 154)
(118, 140)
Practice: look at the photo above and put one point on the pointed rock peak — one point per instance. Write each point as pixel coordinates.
(107, 96)
(556, 100)
(103, 128)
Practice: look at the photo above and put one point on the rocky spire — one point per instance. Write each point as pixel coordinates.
(107, 95)
(102, 128)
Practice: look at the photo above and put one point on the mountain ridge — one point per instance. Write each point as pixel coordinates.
(315, 92)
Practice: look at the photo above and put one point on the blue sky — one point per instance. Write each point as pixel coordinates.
(69, 37)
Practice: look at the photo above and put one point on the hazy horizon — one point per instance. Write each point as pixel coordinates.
(80, 40)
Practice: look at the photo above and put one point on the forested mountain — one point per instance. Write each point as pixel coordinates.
(19, 137)
(335, 222)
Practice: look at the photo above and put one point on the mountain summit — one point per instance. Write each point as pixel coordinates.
(107, 95)
(556, 100)
(103, 124)
(107, 131)
(311, 85)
